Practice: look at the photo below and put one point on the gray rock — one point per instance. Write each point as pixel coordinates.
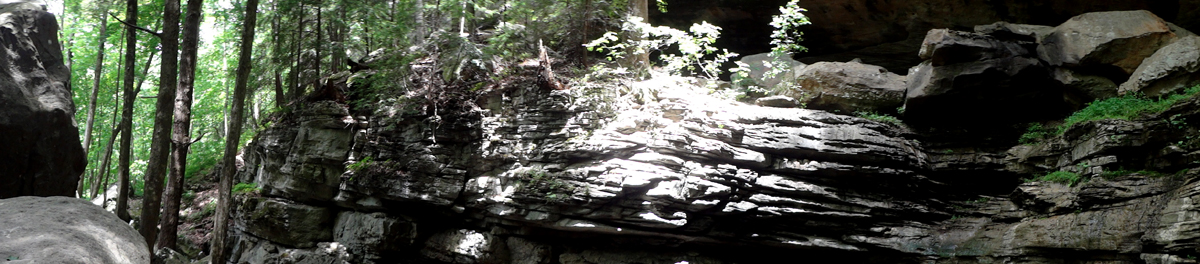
(252, 250)
(42, 155)
(983, 91)
(1117, 38)
(1020, 32)
(66, 230)
(1085, 88)
(646, 257)
(848, 87)
(782, 101)
(758, 66)
(943, 46)
(466, 247)
(313, 154)
(374, 235)
(286, 222)
(525, 251)
(1171, 69)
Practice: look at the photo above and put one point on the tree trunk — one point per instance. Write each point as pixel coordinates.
(221, 223)
(181, 132)
(91, 112)
(126, 126)
(277, 56)
(638, 62)
(108, 150)
(160, 143)
(298, 66)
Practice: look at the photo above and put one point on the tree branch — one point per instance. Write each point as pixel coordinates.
(198, 138)
(156, 34)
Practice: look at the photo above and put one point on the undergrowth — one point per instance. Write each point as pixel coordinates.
(1063, 177)
(872, 115)
(1126, 107)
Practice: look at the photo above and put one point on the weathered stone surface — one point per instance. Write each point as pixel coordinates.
(41, 153)
(373, 236)
(669, 173)
(1014, 88)
(1171, 69)
(1083, 88)
(615, 257)
(1019, 32)
(782, 101)
(943, 46)
(305, 159)
(65, 230)
(848, 87)
(1120, 39)
(249, 249)
(285, 222)
(465, 247)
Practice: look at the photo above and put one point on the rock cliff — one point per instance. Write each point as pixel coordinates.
(662, 171)
(41, 153)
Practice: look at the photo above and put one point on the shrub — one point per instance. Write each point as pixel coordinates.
(1034, 133)
(877, 117)
(694, 46)
(1125, 107)
(1064, 177)
(244, 188)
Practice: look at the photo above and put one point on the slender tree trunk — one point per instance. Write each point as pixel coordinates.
(318, 46)
(639, 62)
(91, 112)
(126, 126)
(108, 150)
(160, 143)
(181, 132)
(277, 55)
(298, 67)
(221, 223)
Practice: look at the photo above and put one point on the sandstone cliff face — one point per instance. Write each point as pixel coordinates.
(660, 171)
(40, 154)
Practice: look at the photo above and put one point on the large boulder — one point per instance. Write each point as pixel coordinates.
(65, 230)
(374, 235)
(848, 87)
(1011, 31)
(757, 66)
(284, 222)
(943, 46)
(1169, 70)
(41, 154)
(1114, 41)
(1084, 88)
(991, 91)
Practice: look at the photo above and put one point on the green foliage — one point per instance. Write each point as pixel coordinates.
(1034, 133)
(785, 39)
(980, 200)
(1125, 107)
(555, 190)
(360, 164)
(872, 115)
(696, 51)
(1063, 177)
(246, 188)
